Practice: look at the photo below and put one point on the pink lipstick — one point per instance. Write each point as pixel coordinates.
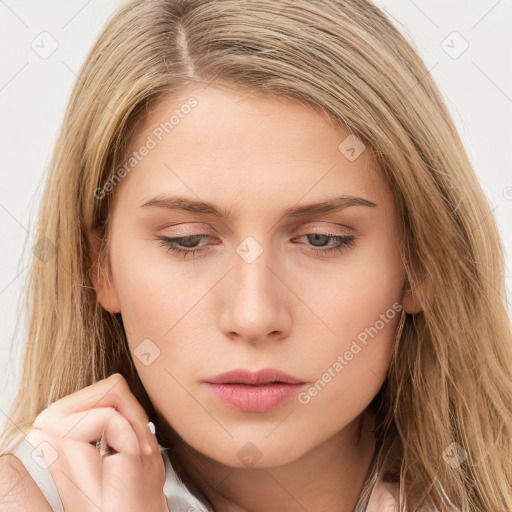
(250, 391)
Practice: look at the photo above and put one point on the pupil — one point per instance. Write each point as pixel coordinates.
(192, 238)
(316, 236)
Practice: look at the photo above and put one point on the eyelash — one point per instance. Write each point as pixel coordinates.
(344, 241)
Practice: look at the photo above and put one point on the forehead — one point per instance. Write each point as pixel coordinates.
(246, 147)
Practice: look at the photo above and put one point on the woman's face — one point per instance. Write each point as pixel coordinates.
(266, 283)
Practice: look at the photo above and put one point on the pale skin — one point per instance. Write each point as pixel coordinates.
(292, 308)
(64, 436)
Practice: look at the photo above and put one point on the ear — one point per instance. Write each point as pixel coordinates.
(410, 300)
(100, 275)
(410, 303)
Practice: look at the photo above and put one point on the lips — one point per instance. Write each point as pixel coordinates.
(254, 392)
(261, 377)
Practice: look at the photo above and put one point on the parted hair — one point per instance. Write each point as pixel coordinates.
(449, 379)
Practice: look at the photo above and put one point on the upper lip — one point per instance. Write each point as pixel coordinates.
(264, 376)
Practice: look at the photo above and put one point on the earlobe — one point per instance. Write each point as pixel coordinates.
(410, 299)
(100, 276)
(410, 303)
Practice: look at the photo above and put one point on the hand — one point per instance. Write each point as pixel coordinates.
(126, 480)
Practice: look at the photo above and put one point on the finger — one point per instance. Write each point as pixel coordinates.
(89, 426)
(111, 392)
(88, 397)
(76, 453)
(134, 413)
(75, 468)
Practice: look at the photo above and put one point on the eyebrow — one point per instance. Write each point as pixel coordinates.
(205, 208)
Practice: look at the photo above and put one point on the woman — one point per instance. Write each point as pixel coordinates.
(267, 232)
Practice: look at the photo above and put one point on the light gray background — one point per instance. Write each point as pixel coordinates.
(476, 84)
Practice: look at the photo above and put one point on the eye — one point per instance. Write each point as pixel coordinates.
(343, 242)
(189, 243)
(185, 245)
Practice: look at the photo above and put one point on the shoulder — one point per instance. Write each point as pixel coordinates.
(18, 490)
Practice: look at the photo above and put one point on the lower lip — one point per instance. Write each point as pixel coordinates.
(248, 398)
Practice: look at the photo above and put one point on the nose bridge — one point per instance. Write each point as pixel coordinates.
(252, 275)
(253, 301)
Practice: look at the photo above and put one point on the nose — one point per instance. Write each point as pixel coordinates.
(256, 303)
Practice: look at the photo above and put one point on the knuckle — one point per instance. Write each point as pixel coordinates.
(112, 414)
(116, 378)
(118, 421)
(127, 437)
(46, 415)
(33, 436)
(125, 429)
(52, 405)
(120, 385)
(40, 419)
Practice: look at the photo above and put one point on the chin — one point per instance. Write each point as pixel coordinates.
(256, 454)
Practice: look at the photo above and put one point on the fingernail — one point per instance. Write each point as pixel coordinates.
(151, 427)
(148, 450)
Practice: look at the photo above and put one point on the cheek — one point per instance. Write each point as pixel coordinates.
(350, 295)
(347, 373)
(162, 328)
(361, 305)
(162, 313)
(149, 288)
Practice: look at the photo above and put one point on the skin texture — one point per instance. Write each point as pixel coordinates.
(130, 477)
(291, 308)
(18, 490)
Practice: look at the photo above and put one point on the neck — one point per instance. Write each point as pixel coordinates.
(329, 477)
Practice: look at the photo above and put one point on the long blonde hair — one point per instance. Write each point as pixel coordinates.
(450, 375)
